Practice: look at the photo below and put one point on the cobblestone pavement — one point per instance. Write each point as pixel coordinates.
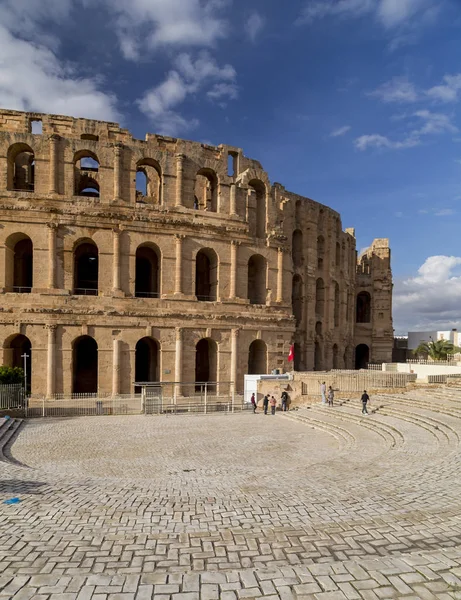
(321, 503)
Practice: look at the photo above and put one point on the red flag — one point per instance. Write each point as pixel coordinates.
(291, 355)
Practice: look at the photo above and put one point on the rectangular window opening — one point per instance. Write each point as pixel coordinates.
(230, 165)
(36, 126)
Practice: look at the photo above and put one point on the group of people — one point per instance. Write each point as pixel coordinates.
(270, 400)
(328, 397)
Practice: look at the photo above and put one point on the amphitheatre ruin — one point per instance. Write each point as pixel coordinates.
(127, 260)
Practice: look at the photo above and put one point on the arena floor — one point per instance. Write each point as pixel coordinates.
(321, 503)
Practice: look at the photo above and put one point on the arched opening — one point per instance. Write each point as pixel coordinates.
(319, 328)
(21, 168)
(206, 362)
(321, 219)
(89, 136)
(148, 181)
(86, 174)
(22, 255)
(320, 297)
(297, 248)
(147, 282)
(257, 194)
(336, 305)
(338, 254)
(18, 353)
(298, 212)
(206, 190)
(147, 360)
(206, 275)
(257, 358)
(257, 273)
(318, 357)
(297, 298)
(86, 269)
(85, 365)
(362, 356)
(363, 308)
(320, 251)
(298, 357)
(346, 357)
(335, 356)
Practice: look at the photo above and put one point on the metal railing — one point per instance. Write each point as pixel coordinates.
(353, 381)
(12, 397)
(22, 289)
(147, 294)
(85, 292)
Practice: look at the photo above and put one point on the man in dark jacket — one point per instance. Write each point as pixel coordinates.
(266, 403)
(365, 399)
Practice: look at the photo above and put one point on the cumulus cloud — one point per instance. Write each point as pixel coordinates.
(448, 91)
(254, 25)
(430, 300)
(376, 140)
(188, 77)
(33, 79)
(340, 131)
(398, 90)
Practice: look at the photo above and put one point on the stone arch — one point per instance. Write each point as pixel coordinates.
(148, 181)
(19, 265)
(257, 358)
(362, 356)
(14, 349)
(206, 361)
(337, 305)
(147, 360)
(148, 271)
(363, 312)
(320, 251)
(206, 190)
(84, 365)
(297, 298)
(257, 279)
(298, 212)
(257, 190)
(86, 268)
(297, 248)
(206, 275)
(86, 174)
(338, 254)
(20, 168)
(320, 297)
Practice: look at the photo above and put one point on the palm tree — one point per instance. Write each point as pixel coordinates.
(438, 350)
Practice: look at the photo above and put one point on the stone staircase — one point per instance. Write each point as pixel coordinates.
(8, 430)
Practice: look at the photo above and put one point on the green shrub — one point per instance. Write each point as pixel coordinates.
(10, 375)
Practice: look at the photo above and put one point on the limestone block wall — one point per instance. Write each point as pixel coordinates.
(168, 259)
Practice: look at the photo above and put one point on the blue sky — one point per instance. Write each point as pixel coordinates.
(354, 103)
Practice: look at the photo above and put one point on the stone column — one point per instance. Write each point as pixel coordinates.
(178, 270)
(234, 267)
(51, 361)
(52, 235)
(233, 200)
(280, 274)
(117, 171)
(116, 260)
(179, 179)
(54, 171)
(115, 367)
(178, 360)
(234, 358)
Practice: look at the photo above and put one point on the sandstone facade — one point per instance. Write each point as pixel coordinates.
(124, 260)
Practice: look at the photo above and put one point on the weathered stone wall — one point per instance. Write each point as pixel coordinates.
(195, 201)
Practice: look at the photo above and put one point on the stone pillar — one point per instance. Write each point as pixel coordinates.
(178, 360)
(116, 260)
(178, 270)
(115, 367)
(280, 274)
(54, 171)
(234, 359)
(179, 179)
(117, 171)
(51, 361)
(234, 267)
(233, 200)
(52, 235)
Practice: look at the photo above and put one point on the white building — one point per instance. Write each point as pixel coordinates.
(415, 338)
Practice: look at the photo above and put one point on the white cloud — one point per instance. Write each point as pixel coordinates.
(448, 91)
(33, 79)
(380, 141)
(433, 123)
(189, 77)
(445, 212)
(398, 89)
(254, 25)
(430, 300)
(395, 12)
(340, 131)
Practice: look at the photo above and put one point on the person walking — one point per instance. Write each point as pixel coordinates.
(266, 403)
(323, 391)
(365, 399)
(253, 402)
(273, 405)
(284, 401)
(331, 396)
